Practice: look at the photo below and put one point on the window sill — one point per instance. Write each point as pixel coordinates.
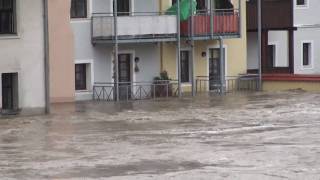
(9, 36)
(80, 19)
(186, 84)
(83, 91)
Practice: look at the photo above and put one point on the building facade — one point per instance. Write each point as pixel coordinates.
(61, 52)
(213, 23)
(137, 42)
(22, 85)
(289, 59)
(140, 28)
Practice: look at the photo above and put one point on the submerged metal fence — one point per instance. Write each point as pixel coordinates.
(245, 83)
(135, 90)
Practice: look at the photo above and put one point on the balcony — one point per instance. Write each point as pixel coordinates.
(137, 27)
(208, 25)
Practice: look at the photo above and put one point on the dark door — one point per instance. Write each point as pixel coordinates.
(214, 69)
(9, 91)
(271, 56)
(123, 7)
(124, 76)
(185, 75)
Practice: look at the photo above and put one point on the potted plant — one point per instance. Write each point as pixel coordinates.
(162, 85)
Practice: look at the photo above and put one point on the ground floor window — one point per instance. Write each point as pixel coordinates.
(81, 76)
(185, 67)
(306, 53)
(9, 82)
(271, 55)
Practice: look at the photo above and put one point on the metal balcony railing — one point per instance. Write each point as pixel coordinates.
(206, 23)
(243, 83)
(135, 90)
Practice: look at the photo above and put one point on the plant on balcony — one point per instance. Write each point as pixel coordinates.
(162, 85)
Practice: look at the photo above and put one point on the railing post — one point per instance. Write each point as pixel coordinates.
(179, 48)
(192, 48)
(222, 67)
(211, 19)
(240, 19)
(116, 69)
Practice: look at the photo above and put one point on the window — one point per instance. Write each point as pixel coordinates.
(81, 77)
(7, 16)
(123, 7)
(306, 54)
(271, 55)
(79, 9)
(301, 2)
(185, 76)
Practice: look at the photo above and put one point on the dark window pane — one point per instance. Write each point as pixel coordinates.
(271, 55)
(306, 54)
(185, 77)
(301, 2)
(7, 15)
(81, 76)
(78, 8)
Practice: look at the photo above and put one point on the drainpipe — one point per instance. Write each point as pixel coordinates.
(46, 57)
(222, 67)
(259, 44)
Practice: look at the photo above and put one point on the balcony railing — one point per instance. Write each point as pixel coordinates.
(140, 26)
(243, 83)
(212, 23)
(135, 90)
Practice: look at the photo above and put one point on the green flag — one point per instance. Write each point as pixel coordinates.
(185, 6)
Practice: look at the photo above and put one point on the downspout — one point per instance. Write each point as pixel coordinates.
(161, 43)
(46, 57)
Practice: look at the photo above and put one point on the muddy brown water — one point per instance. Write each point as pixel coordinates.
(239, 136)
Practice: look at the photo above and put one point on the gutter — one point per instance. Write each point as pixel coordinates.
(46, 56)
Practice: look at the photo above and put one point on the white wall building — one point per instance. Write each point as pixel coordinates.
(138, 31)
(22, 84)
(307, 37)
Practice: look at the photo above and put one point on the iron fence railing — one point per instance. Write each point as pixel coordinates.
(135, 90)
(232, 84)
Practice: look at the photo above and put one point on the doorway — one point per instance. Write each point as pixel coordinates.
(9, 92)
(125, 78)
(214, 69)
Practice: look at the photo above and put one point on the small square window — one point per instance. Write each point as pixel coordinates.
(301, 3)
(78, 9)
(81, 76)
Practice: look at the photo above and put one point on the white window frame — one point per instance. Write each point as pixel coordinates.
(89, 14)
(306, 6)
(91, 74)
(310, 66)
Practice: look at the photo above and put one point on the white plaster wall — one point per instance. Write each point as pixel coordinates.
(308, 15)
(24, 54)
(252, 50)
(281, 40)
(309, 35)
(148, 53)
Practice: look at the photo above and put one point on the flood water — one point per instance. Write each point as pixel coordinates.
(239, 136)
